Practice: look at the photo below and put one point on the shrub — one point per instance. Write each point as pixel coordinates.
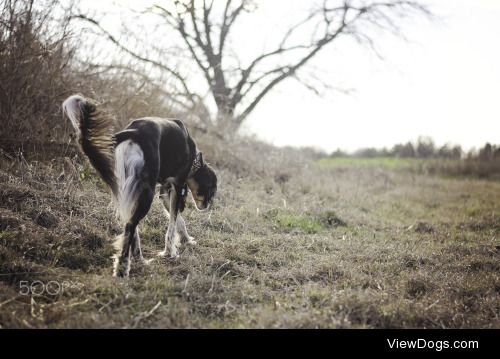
(33, 62)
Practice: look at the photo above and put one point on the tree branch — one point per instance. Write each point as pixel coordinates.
(227, 22)
(292, 69)
(135, 55)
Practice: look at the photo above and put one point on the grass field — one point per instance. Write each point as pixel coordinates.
(385, 162)
(356, 245)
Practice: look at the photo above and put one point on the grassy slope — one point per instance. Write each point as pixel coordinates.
(348, 246)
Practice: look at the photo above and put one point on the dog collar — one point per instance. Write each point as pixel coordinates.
(196, 164)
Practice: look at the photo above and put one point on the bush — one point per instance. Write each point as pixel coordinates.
(33, 63)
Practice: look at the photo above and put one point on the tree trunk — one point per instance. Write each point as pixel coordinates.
(226, 121)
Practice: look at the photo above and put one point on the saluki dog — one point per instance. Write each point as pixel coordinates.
(149, 151)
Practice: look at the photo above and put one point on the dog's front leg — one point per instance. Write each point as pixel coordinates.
(181, 224)
(181, 228)
(170, 245)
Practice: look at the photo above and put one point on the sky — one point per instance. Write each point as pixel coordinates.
(442, 82)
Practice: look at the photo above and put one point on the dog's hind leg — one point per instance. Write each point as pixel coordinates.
(129, 245)
(123, 246)
(136, 246)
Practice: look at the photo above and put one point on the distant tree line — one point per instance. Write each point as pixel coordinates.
(425, 147)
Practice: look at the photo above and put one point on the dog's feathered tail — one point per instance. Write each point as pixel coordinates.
(119, 167)
(128, 169)
(94, 129)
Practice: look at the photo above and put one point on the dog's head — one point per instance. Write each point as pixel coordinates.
(203, 184)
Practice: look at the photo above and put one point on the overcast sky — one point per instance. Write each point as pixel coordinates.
(443, 83)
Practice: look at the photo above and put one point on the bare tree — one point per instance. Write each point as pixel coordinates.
(237, 90)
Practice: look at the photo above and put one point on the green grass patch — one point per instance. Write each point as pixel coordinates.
(291, 221)
(7, 235)
(446, 168)
(473, 210)
(386, 162)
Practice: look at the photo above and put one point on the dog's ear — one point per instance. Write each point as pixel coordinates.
(202, 163)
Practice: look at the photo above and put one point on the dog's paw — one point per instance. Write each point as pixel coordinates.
(145, 262)
(187, 239)
(166, 254)
(120, 272)
(191, 241)
(121, 268)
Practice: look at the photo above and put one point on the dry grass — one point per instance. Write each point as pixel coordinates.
(292, 245)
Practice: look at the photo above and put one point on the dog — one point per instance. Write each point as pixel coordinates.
(149, 151)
